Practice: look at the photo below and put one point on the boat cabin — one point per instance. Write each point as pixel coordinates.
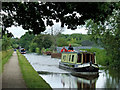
(22, 51)
(78, 57)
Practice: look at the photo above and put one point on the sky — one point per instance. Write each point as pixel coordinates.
(19, 31)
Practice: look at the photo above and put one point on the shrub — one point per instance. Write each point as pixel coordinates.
(37, 50)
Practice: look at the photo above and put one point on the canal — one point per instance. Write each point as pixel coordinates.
(48, 69)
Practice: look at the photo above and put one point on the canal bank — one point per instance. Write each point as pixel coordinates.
(31, 77)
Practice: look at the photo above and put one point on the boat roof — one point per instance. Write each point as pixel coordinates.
(78, 52)
(22, 48)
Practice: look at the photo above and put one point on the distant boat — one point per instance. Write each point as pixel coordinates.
(82, 62)
(56, 55)
(22, 51)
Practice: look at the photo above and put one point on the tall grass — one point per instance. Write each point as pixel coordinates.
(5, 56)
(31, 77)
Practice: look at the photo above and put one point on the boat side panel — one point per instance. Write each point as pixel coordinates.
(80, 58)
(69, 57)
(64, 57)
(73, 58)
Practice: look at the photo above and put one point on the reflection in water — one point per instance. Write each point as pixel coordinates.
(58, 78)
(67, 81)
(113, 79)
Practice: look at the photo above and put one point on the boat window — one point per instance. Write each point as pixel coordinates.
(87, 58)
(72, 58)
(79, 58)
(69, 57)
(64, 57)
(84, 58)
(23, 50)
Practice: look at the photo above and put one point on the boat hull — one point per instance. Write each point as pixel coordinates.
(78, 69)
(86, 69)
(23, 52)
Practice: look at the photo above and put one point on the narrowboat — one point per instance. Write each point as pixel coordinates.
(22, 51)
(56, 55)
(82, 61)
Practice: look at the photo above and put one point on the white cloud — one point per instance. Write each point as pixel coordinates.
(17, 31)
(80, 31)
(57, 26)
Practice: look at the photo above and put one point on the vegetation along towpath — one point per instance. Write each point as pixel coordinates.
(12, 77)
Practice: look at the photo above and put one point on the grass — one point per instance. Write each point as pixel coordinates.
(5, 57)
(31, 77)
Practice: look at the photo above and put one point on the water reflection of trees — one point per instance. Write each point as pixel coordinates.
(112, 78)
(77, 82)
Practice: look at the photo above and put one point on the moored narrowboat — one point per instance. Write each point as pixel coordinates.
(22, 51)
(56, 55)
(82, 61)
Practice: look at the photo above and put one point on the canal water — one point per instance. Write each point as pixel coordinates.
(48, 69)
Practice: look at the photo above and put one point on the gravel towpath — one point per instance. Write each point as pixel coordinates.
(12, 76)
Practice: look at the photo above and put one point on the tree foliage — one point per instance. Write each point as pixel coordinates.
(109, 34)
(31, 15)
(14, 42)
(6, 43)
(75, 40)
(25, 40)
(62, 42)
(41, 41)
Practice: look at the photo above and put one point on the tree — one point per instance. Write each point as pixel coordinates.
(25, 40)
(62, 42)
(6, 43)
(72, 40)
(87, 43)
(41, 41)
(31, 15)
(32, 47)
(14, 42)
(109, 35)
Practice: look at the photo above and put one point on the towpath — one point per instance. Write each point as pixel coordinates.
(12, 77)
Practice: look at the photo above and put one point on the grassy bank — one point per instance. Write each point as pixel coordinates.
(5, 57)
(101, 57)
(31, 77)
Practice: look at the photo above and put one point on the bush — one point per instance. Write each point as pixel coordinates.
(43, 50)
(33, 46)
(37, 50)
(48, 49)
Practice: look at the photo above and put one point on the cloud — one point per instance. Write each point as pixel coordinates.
(81, 31)
(17, 31)
(57, 26)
